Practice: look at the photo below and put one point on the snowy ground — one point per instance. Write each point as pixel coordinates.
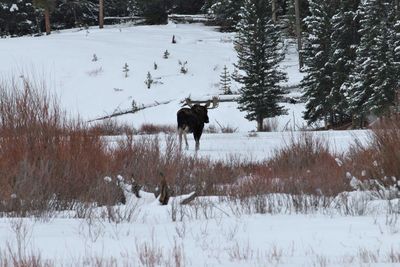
(96, 88)
(260, 146)
(210, 234)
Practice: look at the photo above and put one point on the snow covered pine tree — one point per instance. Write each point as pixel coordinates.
(259, 48)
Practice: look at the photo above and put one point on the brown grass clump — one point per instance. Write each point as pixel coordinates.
(380, 159)
(111, 127)
(150, 128)
(304, 166)
(45, 159)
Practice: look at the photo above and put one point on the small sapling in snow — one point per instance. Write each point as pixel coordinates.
(149, 80)
(155, 66)
(166, 54)
(95, 58)
(225, 81)
(125, 69)
(184, 69)
(173, 39)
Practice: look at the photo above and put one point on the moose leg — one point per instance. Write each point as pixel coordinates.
(180, 131)
(185, 136)
(183, 131)
(197, 136)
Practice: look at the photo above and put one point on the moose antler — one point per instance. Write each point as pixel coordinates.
(188, 102)
(214, 101)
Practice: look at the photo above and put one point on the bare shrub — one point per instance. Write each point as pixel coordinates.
(95, 72)
(305, 165)
(270, 125)
(211, 129)
(379, 161)
(149, 128)
(394, 256)
(227, 128)
(240, 253)
(149, 254)
(111, 127)
(47, 162)
(8, 258)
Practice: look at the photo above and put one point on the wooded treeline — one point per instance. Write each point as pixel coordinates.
(21, 17)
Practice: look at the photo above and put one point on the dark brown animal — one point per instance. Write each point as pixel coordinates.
(192, 120)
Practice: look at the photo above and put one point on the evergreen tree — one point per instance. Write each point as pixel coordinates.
(259, 50)
(226, 12)
(373, 81)
(187, 6)
(155, 11)
(345, 39)
(47, 6)
(75, 13)
(17, 18)
(225, 81)
(396, 37)
(317, 83)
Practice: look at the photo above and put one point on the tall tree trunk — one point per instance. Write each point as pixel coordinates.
(298, 31)
(101, 14)
(274, 11)
(397, 9)
(47, 21)
(260, 126)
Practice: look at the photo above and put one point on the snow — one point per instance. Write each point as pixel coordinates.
(223, 239)
(13, 8)
(262, 146)
(211, 233)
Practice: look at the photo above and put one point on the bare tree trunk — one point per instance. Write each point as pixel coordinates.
(274, 11)
(260, 126)
(47, 21)
(101, 14)
(298, 31)
(397, 9)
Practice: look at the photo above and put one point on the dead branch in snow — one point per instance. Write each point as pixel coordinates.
(135, 108)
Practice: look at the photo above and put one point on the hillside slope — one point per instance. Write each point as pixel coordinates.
(97, 88)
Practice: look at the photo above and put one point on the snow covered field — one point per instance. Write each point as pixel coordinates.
(210, 233)
(97, 88)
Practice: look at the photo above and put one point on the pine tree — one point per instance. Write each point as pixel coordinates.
(149, 80)
(373, 81)
(76, 13)
(345, 39)
(226, 12)
(225, 81)
(17, 18)
(258, 46)
(154, 11)
(125, 69)
(317, 83)
(48, 7)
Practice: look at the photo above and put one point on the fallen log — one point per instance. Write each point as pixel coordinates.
(135, 108)
(235, 98)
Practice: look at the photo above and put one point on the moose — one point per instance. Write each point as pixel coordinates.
(191, 120)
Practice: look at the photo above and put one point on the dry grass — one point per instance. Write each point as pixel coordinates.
(48, 162)
(150, 128)
(111, 127)
(303, 166)
(380, 160)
